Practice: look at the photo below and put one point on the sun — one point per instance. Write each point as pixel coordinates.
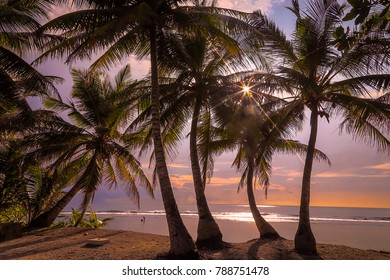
(246, 89)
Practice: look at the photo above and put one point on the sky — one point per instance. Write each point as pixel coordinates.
(358, 177)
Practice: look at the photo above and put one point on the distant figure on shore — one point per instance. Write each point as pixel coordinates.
(143, 219)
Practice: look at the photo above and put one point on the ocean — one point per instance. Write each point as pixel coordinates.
(365, 228)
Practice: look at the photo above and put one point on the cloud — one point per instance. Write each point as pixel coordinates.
(384, 166)
(349, 174)
(293, 174)
(277, 187)
(219, 181)
(181, 181)
(185, 181)
(139, 68)
(179, 165)
(283, 172)
(249, 5)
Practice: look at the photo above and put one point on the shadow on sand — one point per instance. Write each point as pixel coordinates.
(276, 249)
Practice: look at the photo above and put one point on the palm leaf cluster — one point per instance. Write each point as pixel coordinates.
(93, 147)
(328, 82)
(19, 21)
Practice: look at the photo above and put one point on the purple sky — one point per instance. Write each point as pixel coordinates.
(358, 177)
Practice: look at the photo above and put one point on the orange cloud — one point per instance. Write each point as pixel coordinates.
(349, 174)
(179, 165)
(384, 166)
(180, 181)
(292, 174)
(277, 187)
(219, 181)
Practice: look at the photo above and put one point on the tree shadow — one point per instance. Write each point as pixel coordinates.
(201, 254)
(228, 252)
(169, 256)
(41, 233)
(276, 249)
(48, 244)
(310, 256)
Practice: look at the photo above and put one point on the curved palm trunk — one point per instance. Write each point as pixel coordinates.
(181, 242)
(304, 238)
(264, 228)
(209, 234)
(47, 218)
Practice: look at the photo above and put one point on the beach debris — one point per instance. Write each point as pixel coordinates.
(97, 241)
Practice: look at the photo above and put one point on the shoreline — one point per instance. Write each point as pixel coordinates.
(70, 244)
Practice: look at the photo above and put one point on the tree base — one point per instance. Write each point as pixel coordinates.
(40, 222)
(304, 241)
(266, 230)
(270, 236)
(213, 243)
(209, 235)
(193, 255)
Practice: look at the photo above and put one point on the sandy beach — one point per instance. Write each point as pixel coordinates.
(357, 235)
(71, 244)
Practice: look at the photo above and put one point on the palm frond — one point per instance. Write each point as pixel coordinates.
(25, 76)
(90, 180)
(360, 86)
(275, 41)
(366, 119)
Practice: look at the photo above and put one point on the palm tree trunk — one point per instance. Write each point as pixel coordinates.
(264, 228)
(304, 238)
(181, 243)
(209, 234)
(47, 218)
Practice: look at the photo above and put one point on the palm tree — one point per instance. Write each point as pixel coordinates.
(200, 77)
(327, 82)
(258, 128)
(92, 149)
(144, 28)
(198, 72)
(247, 126)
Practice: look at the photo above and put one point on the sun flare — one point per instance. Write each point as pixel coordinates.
(246, 89)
